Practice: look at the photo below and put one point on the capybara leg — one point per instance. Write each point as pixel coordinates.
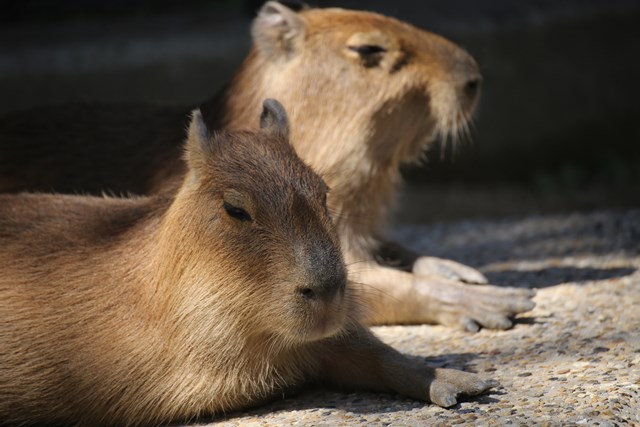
(362, 361)
(392, 296)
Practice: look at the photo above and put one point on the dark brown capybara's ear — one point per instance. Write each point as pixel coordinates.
(274, 118)
(277, 31)
(200, 145)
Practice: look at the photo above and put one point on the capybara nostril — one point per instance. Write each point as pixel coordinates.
(307, 293)
(472, 87)
(323, 291)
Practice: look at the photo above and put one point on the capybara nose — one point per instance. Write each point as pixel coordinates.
(325, 274)
(466, 78)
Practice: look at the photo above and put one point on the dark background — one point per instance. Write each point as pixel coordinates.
(557, 128)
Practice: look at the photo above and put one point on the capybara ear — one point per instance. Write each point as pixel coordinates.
(199, 145)
(197, 128)
(277, 30)
(274, 117)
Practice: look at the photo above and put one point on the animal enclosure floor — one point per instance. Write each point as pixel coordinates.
(573, 360)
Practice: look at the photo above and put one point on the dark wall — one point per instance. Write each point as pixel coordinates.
(559, 109)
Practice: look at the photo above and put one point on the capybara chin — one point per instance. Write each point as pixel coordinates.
(365, 93)
(145, 311)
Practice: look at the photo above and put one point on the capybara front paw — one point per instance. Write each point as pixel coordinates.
(470, 307)
(449, 384)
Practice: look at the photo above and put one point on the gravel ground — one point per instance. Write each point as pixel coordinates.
(573, 360)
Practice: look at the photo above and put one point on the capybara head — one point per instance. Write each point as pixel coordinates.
(254, 213)
(354, 80)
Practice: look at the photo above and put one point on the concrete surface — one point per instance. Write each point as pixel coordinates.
(574, 360)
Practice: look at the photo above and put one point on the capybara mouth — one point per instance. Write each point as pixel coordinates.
(328, 319)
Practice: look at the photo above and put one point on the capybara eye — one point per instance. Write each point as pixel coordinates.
(367, 49)
(236, 212)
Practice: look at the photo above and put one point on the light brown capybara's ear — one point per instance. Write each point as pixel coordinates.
(277, 31)
(274, 118)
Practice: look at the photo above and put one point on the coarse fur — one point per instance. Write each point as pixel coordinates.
(149, 310)
(366, 93)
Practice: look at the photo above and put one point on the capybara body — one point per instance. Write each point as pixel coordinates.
(148, 310)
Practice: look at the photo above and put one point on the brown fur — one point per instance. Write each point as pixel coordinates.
(149, 310)
(356, 117)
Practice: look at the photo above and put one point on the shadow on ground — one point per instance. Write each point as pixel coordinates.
(547, 277)
(531, 239)
(325, 400)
